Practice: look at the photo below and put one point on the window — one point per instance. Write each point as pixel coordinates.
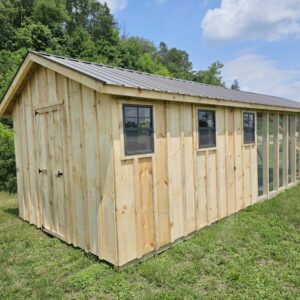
(207, 128)
(249, 128)
(138, 129)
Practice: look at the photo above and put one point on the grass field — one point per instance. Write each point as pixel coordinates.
(252, 255)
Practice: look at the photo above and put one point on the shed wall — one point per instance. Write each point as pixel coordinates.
(183, 188)
(78, 208)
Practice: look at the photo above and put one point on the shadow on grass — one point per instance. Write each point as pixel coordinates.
(12, 211)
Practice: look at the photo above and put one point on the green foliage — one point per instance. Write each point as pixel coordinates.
(235, 85)
(7, 160)
(211, 76)
(9, 63)
(176, 61)
(34, 36)
(50, 12)
(84, 29)
(250, 255)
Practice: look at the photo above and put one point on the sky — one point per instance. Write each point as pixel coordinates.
(257, 41)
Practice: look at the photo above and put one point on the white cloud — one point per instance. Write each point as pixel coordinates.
(115, 5)
(256, 73)
(252, 19)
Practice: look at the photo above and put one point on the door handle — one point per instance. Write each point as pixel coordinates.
(59, 174)
(42, 171)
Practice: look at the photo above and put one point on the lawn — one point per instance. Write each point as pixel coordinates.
(252, 255)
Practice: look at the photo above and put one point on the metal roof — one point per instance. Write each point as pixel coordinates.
(134, 79)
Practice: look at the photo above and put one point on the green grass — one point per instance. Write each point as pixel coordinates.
(252, 255)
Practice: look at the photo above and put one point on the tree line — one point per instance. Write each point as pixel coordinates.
(81, 29)
(86, 29)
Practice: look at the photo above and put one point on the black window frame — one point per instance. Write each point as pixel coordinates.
(207, 129)
(150, 129)
(247, 129)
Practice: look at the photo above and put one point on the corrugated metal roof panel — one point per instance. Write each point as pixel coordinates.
(134, 79)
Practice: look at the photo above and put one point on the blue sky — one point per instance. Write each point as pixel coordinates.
(257, 41)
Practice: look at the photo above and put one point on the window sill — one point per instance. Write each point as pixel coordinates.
(136, 156)
(206, 149)
(249, 145)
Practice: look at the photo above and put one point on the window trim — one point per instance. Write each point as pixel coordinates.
(255, 122)
(124, 131)
(198, 129)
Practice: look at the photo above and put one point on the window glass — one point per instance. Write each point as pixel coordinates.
(207, 128)
(272, 150)
(298, 148)
(281, 149)
(260, 154)
(290, 149)
(138, 129)
(249, 128)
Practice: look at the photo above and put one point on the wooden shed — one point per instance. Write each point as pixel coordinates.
(122, 164)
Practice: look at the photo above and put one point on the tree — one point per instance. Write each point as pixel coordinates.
(133, 49)
(50, 12)
(211, 76)
(235, 85)
(34, 36)
(9, 63)
(8, 180)
(176, 61)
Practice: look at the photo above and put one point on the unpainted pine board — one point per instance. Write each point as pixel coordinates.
(31, 153)
(51, 80)
(51, 174)
(155, 202)
(84, 172)
(43, 85)
(230, 163)
(164, 229)
(212, 203)
(221, 163)
(92, 165)
(18, 156)
(137, 209)
(24, 150)
(107, 214)
(201, 189)
(175, 171)
(238, 163)
(35, 125)
(43, 142)
(247, 175)
(78, 171)
(41, 121)
(161, 183)
(59, 185)
(125, 209)
(124, 193)
(188, 168)
(63, 97)
(254, 179)
(146, 204)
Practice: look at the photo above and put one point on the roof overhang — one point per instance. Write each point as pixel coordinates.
(32, 59)
(23, 74)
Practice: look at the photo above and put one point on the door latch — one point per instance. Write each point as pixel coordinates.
(59, 174)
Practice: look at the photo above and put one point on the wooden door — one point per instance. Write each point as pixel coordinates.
(49, 128)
